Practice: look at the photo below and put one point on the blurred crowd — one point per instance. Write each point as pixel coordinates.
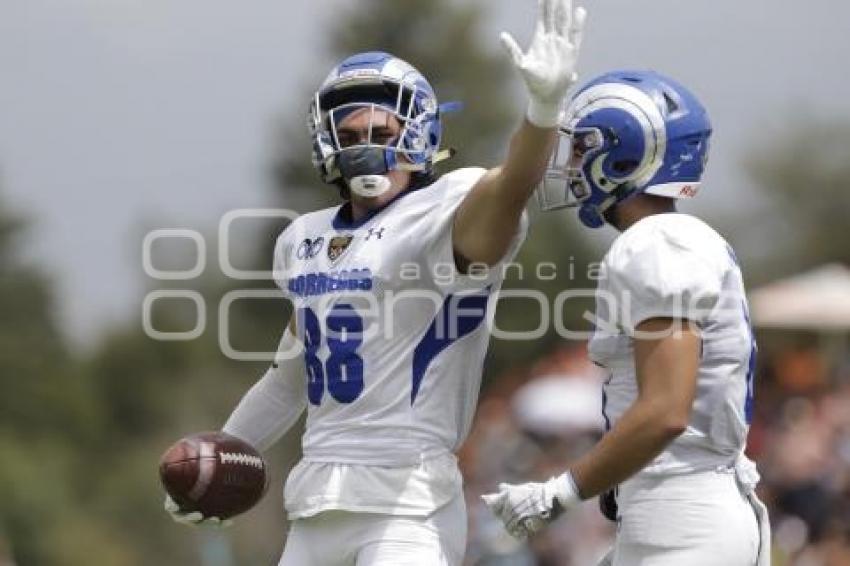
(533, 422)
(801, 439)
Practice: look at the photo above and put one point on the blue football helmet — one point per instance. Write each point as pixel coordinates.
(622, 134)
(374, 80)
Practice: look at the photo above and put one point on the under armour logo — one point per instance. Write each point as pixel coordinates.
(377, 232)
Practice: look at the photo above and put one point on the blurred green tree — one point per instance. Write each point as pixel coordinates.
(806, 178)
(45, 405)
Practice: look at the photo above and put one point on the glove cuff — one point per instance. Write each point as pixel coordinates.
(566, 490)
(543, 114)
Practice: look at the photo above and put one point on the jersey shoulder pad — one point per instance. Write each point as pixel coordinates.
(666, 267)
(669, 237)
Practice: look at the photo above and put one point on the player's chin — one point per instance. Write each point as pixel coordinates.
(610, 216)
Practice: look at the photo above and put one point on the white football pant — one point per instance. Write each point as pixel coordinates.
(686, 520)
(345, 538)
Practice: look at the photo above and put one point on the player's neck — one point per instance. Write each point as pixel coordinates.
(639, 207)
(362, 207)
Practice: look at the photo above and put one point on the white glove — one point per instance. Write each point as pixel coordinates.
(194, 518)
(549, 67)
(527, 508)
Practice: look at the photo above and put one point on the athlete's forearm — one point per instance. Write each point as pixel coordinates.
(524, 166)
(640, 435)
(487, 220)
(667, 353)
(273, 404)
(265, 413)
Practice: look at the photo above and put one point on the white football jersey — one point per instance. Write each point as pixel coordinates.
(394, 339)
(675, 265)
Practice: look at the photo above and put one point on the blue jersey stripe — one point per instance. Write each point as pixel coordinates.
(457, 317)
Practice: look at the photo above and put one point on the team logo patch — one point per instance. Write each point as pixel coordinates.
(338, 245)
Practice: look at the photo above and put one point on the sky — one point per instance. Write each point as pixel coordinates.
(121, 115)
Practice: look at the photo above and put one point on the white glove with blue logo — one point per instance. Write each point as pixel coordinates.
(549, 66)
(527, 508)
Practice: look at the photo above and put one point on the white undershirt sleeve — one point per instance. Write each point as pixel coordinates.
(273, 404)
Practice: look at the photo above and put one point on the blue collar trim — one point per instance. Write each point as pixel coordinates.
(342, 219)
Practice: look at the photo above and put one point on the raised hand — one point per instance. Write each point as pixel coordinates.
(549, 66)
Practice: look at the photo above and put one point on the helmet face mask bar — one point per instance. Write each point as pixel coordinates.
(364, 161)
(378, 113)
(564, 184)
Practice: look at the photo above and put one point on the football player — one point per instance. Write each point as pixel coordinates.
(391, 291)
(672, 330)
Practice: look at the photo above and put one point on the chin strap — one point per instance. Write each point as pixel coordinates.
(442, 155)
(371, 186)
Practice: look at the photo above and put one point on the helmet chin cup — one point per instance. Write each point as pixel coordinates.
(589, 215)
(369, 186)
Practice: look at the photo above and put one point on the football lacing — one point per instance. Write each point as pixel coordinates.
(238, 458)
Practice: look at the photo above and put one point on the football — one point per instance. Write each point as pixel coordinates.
(214, 473)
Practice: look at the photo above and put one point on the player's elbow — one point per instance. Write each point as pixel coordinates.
(675, 419)
(669, 421)
(665, 429)
(673, 426)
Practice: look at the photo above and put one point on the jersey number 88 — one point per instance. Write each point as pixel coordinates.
(343, 370)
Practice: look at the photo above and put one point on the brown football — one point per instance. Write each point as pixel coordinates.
(214, 473)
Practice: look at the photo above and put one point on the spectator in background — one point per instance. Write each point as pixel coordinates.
(536, 429)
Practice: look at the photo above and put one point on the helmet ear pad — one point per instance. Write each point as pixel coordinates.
(624, 150)
(629, 152)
